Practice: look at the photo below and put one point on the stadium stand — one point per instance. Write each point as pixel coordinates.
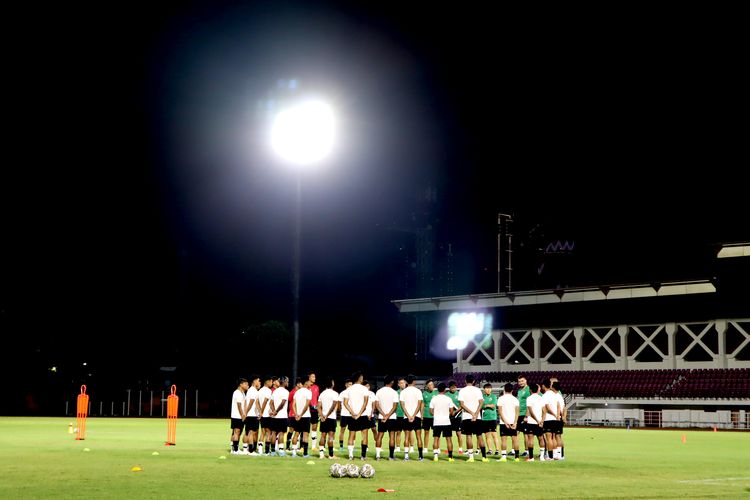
(732, 383)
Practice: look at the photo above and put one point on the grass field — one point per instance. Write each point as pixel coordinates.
(38, 458)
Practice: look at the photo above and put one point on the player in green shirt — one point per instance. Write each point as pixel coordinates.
(427, 419)
(400, 414)
(456, 418)
(489, 419)
(523, 393)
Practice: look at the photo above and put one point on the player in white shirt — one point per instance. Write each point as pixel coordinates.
(328, 403)
(552, 405)
(471, 400)
(508, 410)
(280, 414)
(264, 411)
(535, 413)
(238, 413)
(387, 403)
(412, 402)
(442, 408)
(290, 433)
(251, 416)
(559, 452)
(344, 413)
(356, 402)
(372, 410)
(301, 422)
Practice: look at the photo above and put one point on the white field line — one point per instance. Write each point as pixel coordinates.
(714, 480)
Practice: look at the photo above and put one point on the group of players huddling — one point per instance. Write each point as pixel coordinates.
(275, 419)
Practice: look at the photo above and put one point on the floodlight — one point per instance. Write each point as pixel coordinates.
(303, 134)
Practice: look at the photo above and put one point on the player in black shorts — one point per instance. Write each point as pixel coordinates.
(452, 393)
(344, 419)
(314, 417)
(561, 424)
(238, 413)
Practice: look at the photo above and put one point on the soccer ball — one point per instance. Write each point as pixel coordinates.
(333, 470)
(341, 471)
(367, 471)
(352, 470)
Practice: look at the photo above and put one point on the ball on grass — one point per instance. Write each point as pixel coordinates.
(352, 470)
(367, 471)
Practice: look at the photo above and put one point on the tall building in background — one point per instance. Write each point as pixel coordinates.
(423, 263)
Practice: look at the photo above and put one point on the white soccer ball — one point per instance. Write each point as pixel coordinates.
(352, 470)
(367, 471)
(341, 471)
(333, 470)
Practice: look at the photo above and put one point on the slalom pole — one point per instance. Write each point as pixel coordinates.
(82, 413)
(173, 403)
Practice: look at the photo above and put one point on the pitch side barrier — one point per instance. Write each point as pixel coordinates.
(138, 403)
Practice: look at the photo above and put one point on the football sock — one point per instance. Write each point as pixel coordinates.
(484, 451)
(304, 448)
(378, 449)
(330, 451)
(235, 445)
(391, 451)
(351, 451)
(516, 452)
(364, 450)
(450, 453)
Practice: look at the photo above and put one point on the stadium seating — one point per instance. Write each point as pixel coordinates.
(640, 384)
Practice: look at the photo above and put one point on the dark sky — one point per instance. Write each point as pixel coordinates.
(140, 203)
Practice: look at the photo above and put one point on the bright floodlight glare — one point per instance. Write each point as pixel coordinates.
(456, 343)
(463, 327)
(303, 134)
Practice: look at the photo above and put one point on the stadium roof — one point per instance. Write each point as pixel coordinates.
(538, 297)
(734, 250)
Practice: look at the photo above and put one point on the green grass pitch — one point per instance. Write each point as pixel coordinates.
(38, 458)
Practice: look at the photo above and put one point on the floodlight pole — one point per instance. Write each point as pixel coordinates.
(503, 229)
(296, 274)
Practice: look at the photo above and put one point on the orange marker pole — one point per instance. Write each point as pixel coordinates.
(82, 413)
(173, 403)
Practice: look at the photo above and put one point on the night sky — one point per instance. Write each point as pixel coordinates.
(145, 223)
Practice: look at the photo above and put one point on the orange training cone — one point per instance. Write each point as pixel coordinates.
(684, 439)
